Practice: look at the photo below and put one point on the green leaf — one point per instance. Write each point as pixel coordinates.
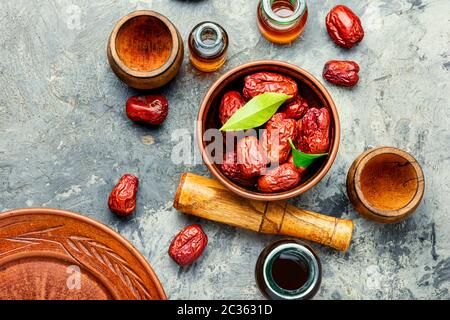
(304, 160)
(256, 112)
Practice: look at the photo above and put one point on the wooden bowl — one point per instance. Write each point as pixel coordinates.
(51, 254)
(385, 184)
(309, 87)
(145, 50)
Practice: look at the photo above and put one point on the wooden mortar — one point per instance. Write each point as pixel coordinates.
(145, 50)
(208, 199)
(385, 184)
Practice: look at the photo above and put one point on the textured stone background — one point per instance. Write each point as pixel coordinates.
(65, 139)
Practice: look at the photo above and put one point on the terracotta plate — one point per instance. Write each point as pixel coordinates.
(54, 254)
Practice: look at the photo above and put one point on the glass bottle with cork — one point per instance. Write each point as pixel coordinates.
(282, 21)
(208, 46)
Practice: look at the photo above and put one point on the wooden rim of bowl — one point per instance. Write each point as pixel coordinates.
(145, 74)
(416, 199)
(268, 196)
(98, 225)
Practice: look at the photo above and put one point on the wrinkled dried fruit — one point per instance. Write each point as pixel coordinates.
(296, 108)
(277, 117)
(282, 178)
(122, 199)
(152, 109)
(231, 102)
(250, 157)
(230, 168)
(343, 73)
(262, 82)
(188, 245)
(314, 131)
(275, 138)
(344, 27)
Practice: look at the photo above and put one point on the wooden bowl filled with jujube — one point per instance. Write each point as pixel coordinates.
(275, 130)
(145, 50)
(385, 184)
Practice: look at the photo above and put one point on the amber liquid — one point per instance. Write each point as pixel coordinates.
(290, 271)
(202, 58)
(278, 33)
(208, 65)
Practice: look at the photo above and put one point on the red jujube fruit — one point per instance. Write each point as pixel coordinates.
(188, 245)
(262, 82)
(275, 138)
(152, 109)
(344, 27)
(122, 199)
(250, 157)
(282, 178)
(231, 102)
(296, 108)
(342, 73)
(314, 131)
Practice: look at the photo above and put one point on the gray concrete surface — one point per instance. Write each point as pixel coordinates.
(65, 139)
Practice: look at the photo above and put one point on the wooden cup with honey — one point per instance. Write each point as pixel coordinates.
(385, 184)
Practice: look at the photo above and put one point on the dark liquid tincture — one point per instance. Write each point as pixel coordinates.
(290, 271)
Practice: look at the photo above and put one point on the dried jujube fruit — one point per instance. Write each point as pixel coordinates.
(342, 73)
(275, 138)
(188, 245)
(267, 163)
(122, 199)
(232, 170)
(314, 131)
(296, 108)
(282, 178)
(250, 157)
(344, 26)
(230, 103)
(262, 82)
(152, 109)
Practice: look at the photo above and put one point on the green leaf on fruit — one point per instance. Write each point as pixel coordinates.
(304, 160)
(256, 112)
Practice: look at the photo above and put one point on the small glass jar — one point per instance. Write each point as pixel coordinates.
(208, 46)
(288, 269)
(282, 21)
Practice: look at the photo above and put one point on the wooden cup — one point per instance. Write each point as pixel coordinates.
(208, 199)
(385, 184)
(145, 50)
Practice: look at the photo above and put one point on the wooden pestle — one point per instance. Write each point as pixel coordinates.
(208, 199)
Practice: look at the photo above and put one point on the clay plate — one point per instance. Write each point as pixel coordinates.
(59, 255)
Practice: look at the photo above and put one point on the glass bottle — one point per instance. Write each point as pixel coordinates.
(288, 269)
(208, 46)
(282, 21)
